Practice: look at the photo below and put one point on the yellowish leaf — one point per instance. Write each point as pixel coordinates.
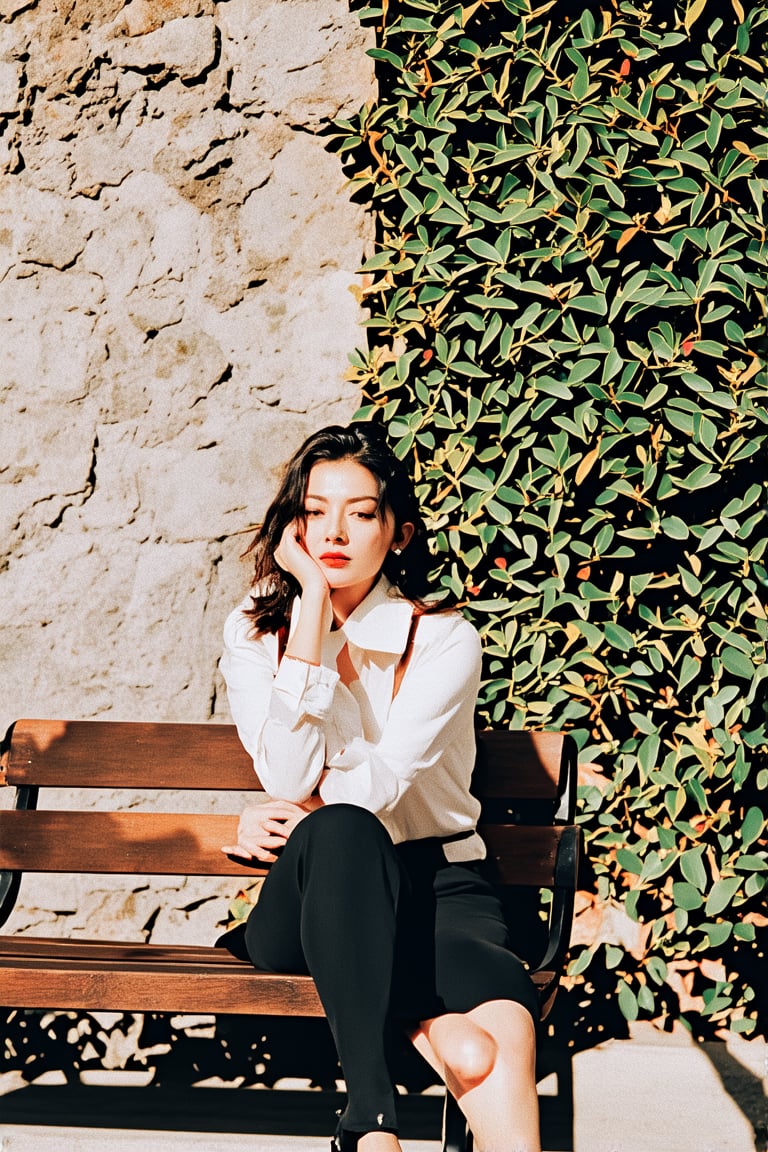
(695, 562)
(626, 236)
(468, 13)
(662, 215)
(540, 11)
(751, 370)
(587, 463)
(572, 632)
(738, 10)
(694, 11)
(740, 146)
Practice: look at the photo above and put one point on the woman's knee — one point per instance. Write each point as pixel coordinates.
(468, 1051)
(344, 827)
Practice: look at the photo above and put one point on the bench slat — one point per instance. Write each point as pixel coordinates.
(146, 843)
(170, 844)
(198, 979)
(522, 765)
(111, 754)
(44, 947)
(90, 985)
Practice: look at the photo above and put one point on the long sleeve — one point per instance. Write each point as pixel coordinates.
(279, 712)
(408, 760)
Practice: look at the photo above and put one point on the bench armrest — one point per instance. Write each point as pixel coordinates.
(561, 915)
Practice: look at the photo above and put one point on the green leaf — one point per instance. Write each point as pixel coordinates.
(686, 895)
(619, 637)
(597, 305)
(656, 969)
(627, 1001)
(484, 250)
(443, 193)
(477, 479)
(648, 754)
(693, 869)
(717, 934)
(674, 527)
(581, 963)
(721, 895)
(613, 956)
(467, 368)
(415, 24)
(690, 669)
(630, 861)
(753, 825)
(645, 998)
(737, 663)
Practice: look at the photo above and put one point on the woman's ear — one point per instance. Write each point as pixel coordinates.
(404, 536)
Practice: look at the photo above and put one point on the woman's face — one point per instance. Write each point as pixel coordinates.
(344, 533)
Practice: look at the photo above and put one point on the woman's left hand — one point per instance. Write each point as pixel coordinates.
(263, 828)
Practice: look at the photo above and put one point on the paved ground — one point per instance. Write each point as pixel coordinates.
(649, 1094)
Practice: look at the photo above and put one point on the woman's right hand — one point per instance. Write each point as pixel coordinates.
(292, 557)
(263, 828)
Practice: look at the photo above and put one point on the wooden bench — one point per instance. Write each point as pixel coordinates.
(526, 782)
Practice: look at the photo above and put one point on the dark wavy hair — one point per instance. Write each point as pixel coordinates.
(274, 589)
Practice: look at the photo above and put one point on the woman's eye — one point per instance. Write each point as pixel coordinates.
(312, 512)
(366, 515)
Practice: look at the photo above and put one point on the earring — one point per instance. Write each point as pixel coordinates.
(397, 551)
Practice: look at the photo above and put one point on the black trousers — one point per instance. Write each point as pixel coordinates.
(391, 935)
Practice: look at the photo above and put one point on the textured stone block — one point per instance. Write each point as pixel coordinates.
(10, 75)
(186, 46)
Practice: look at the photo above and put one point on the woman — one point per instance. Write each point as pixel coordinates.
(356, 699)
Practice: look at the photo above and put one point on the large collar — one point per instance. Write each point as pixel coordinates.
(380, 623)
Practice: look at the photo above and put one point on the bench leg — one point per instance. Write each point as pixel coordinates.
(456, 1135)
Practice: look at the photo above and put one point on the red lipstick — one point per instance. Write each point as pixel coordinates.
(334, 559)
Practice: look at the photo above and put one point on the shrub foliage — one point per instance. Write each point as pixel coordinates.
(565, 311)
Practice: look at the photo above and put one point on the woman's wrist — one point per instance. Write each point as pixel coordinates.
(313, 624)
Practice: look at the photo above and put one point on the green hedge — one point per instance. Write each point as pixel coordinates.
(565, 312)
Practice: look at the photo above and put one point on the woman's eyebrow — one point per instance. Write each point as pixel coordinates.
(351, 500)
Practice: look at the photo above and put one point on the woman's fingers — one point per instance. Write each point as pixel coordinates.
(264, 827)
(236, 850)
(292, 557)
(260, 853)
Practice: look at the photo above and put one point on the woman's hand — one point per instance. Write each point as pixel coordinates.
(316, 614)
(265, 827)
(292, 557)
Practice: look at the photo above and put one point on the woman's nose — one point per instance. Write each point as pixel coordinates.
(336, 530)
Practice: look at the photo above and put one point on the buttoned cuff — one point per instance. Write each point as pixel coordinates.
(305, 689)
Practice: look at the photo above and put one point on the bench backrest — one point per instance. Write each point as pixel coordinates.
(521, 778)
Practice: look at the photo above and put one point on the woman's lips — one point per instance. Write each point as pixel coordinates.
(334, 559)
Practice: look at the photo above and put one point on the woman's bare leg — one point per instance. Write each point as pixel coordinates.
(379, 1142)
(487, 1059)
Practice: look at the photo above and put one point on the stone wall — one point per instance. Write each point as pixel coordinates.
(177, 301)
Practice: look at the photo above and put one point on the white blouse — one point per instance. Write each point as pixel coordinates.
(408, 760)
